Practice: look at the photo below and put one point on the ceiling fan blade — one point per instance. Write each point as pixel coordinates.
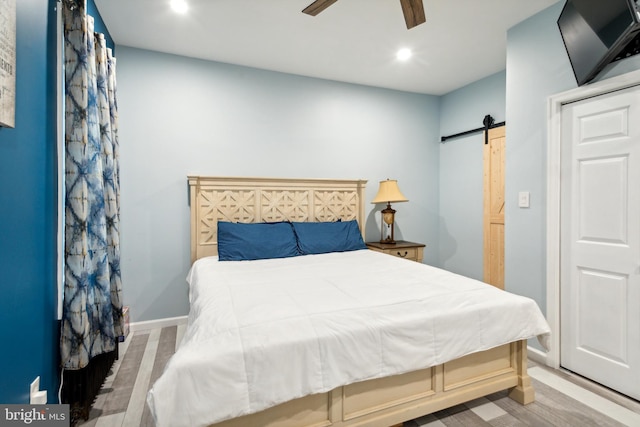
(318, 6)
(413, 11)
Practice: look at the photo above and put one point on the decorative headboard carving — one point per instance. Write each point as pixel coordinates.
(214, 199)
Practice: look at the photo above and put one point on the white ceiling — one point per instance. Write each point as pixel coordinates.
(352, 41)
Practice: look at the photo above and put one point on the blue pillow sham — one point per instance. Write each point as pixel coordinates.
(250, 241)
(325, 237)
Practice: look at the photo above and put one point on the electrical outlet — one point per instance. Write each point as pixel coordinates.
(37, 397)
(35, 386)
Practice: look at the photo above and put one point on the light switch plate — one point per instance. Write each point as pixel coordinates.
(523, 199)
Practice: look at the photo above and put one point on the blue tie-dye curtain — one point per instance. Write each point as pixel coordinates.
(92, 310)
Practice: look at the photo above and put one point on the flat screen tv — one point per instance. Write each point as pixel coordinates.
(595, 32)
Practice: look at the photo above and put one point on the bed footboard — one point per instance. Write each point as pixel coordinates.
(523, 393)
(388, 401)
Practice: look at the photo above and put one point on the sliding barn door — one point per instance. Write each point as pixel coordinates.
(493, 217)
(600, 240)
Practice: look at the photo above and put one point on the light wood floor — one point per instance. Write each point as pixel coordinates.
(562, 399)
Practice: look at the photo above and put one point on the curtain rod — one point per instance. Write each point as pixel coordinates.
(488, 124)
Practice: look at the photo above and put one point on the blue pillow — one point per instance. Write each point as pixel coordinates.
(248, 241)
(325, 237)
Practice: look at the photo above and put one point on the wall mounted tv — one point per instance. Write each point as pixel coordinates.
(598, 32)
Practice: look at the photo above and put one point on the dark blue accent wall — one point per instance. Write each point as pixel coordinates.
(29, 328)
(99, 25)
(28, 213)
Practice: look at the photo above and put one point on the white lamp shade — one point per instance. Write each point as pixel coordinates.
(389, 193)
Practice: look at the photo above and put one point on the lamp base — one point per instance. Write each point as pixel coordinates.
(388, 241)
(388, 219)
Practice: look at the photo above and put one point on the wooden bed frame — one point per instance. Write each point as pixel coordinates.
(380, 402)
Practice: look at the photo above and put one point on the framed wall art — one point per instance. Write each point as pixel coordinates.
(8, 63)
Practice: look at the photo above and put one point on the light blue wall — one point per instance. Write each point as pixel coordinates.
(537, 67)
(461, 172)
(28, 220)
(181, 116)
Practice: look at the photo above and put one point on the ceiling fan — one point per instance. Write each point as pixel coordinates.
(413, 10)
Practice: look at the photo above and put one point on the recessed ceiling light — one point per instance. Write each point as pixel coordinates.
(403, 54)
(179, 6)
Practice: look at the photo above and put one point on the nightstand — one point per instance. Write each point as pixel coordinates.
(408, 250)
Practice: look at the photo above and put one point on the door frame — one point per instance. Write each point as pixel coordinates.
(554, 148)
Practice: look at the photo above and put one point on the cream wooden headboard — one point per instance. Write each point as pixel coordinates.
(214, 199)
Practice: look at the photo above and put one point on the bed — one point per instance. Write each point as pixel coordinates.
(355, 338)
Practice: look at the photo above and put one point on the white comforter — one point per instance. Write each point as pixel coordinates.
(264, 332)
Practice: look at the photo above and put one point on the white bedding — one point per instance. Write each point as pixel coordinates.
(264, 332)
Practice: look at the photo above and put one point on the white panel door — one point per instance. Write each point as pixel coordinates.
(600, 240)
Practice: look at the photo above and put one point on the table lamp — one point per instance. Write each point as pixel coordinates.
(388, 193)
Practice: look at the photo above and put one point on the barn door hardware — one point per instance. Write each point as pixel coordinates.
(488, 122)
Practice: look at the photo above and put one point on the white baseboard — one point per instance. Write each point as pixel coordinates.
(158, 323)
(537, 356)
